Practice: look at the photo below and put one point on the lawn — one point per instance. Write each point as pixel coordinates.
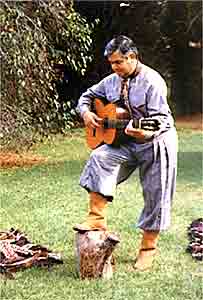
(45, 201)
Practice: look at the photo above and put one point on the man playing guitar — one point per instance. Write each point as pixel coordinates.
(143, 93)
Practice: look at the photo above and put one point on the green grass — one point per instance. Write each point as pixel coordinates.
(45, 201)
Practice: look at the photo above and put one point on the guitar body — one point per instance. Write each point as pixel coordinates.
(114, 120)
(102, 135)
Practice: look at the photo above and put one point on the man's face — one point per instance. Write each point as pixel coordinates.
(123, 65)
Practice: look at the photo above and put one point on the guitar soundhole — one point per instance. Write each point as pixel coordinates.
(94, 132)
(105, 123)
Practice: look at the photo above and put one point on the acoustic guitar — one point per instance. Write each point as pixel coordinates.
(114, 120)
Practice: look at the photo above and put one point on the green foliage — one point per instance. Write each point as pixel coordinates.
(169, 38)
(68, 34)
(34, 36)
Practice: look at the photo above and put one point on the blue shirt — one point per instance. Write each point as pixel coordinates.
(147, 95)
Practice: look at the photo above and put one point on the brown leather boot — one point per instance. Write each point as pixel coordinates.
(96, 219)
(147, 250)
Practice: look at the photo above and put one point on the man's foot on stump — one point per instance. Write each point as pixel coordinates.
(87, 227)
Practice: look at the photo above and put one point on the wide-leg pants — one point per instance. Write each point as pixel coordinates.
(157, 162)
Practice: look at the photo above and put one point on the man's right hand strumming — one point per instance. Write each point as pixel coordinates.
(91, 119)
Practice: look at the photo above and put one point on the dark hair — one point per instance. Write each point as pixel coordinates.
(122, 43)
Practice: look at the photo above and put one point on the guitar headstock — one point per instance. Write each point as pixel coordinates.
(149, 123)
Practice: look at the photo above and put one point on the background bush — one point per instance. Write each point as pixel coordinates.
(35, 37)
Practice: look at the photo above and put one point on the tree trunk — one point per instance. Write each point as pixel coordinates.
(187, 81)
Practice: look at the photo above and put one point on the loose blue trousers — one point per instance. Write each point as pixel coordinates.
(157, 162)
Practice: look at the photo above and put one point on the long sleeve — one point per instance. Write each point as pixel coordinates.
(157, 105)
(96, 91)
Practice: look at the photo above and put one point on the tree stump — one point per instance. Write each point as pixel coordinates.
(94, 254)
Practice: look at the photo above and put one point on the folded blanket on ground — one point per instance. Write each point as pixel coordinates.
(17, 252)
(195, 235)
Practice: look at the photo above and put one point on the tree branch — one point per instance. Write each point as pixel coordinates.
(192, 22)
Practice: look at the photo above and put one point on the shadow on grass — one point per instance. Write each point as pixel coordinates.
(186, 161)
(61, 271)
(69, 168)
(67, 269)
(190, 167)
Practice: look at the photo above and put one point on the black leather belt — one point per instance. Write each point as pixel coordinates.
(144, 141)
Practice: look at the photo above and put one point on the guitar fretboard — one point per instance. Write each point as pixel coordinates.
(118, 124)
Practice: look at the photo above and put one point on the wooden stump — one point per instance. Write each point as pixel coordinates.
(94, 254)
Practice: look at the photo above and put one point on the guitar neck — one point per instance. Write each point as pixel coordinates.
(118, 123)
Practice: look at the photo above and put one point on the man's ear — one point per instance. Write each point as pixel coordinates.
(132, 55)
